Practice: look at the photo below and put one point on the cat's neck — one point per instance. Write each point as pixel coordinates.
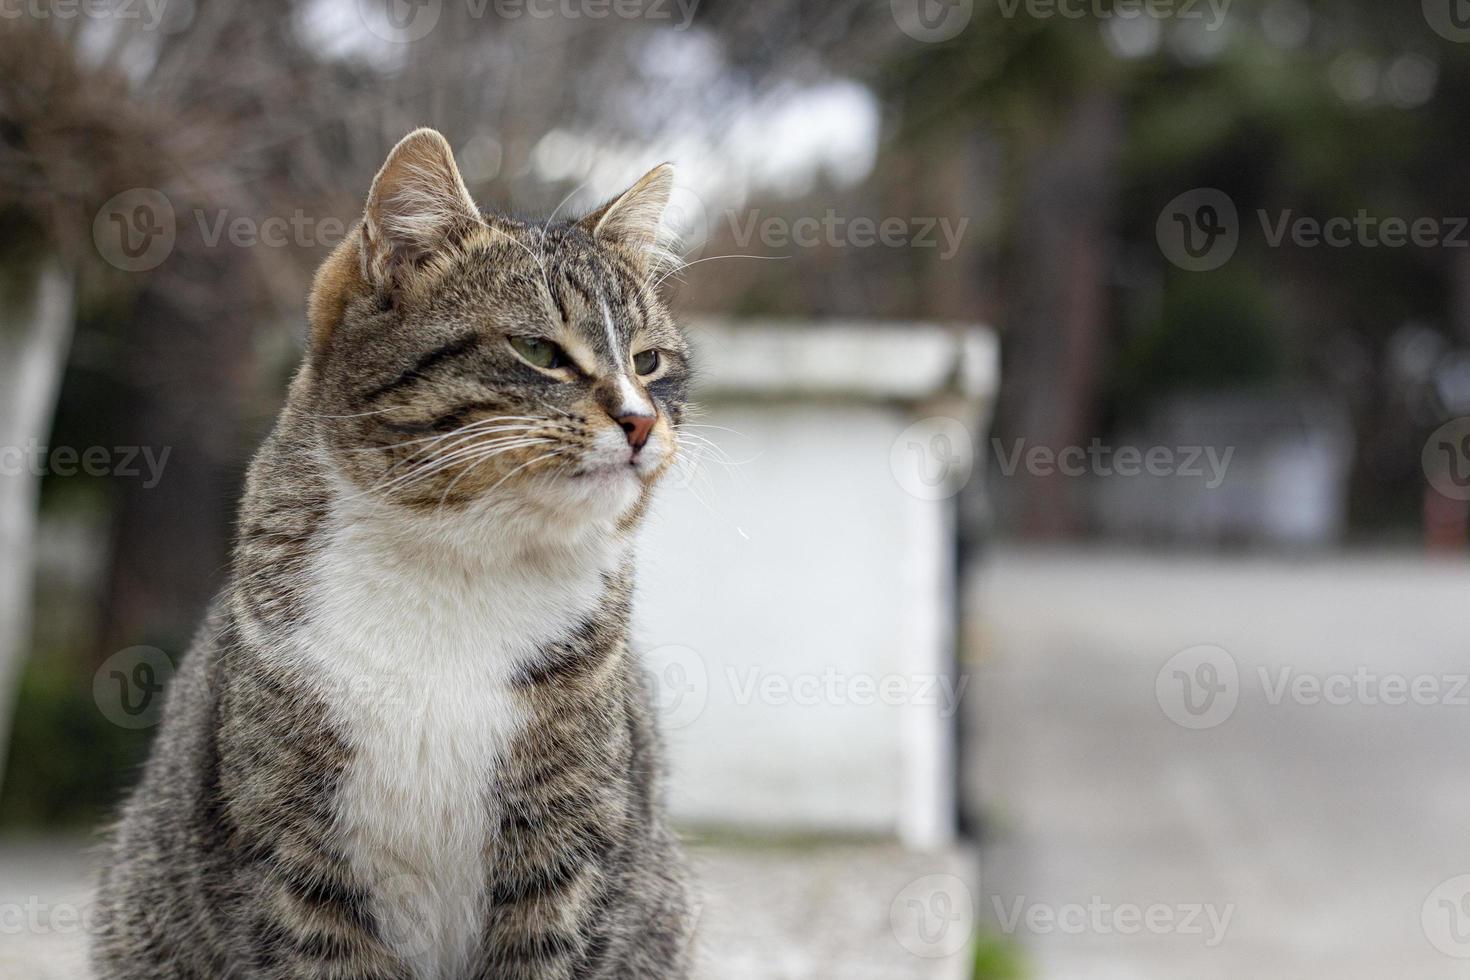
(479, 541)
(361, 567)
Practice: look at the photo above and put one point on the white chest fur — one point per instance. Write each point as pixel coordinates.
(416, 643)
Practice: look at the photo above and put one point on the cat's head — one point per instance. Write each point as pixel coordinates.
(460, 358)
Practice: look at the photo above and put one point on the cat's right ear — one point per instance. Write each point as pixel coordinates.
(416, 199)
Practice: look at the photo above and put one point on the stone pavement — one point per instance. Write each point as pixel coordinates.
(44, 900)
(771, 911)
(1320, 803)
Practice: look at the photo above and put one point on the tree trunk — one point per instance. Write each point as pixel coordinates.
(37, 303)
(1055, 324)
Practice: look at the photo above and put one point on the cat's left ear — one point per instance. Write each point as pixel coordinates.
(634, 219)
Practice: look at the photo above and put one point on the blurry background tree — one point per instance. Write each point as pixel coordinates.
(1051, 143)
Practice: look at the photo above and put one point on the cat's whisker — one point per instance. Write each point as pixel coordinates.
(703, 425)
(677, 270)
(445, 460)
(418, 462)
(560, 412)
(517, 242)
(717, 452)
(478, 427)
(442, 462)
(554, 452)
(547, 225)
(355, 415)
(412, 480)
(461, 451)
(552, 217)
(476, 462)
(436, 437)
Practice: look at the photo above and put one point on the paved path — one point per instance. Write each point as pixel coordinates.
(769, 912)
(44, 905)
(1321, 829)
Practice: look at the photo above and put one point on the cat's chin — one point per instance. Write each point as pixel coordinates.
(603, 491)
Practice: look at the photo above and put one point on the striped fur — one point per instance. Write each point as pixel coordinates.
(411, 741)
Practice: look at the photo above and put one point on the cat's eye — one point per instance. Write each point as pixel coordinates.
(646, 362)
(541, 353)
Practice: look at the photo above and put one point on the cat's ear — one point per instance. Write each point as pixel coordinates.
(634, 219)
(415, 201)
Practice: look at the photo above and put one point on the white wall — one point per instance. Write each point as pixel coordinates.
(803, 562)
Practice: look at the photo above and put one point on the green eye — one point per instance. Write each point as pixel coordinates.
(541, 353)
(646, 362)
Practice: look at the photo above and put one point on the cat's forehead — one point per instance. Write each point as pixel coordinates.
(596, 291)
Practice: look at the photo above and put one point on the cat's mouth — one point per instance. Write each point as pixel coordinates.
(609, 470)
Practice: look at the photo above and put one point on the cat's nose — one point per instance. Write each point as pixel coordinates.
(636, 428)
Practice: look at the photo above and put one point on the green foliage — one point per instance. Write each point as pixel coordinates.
(1212, 332)
(68, 764)
(998, 958)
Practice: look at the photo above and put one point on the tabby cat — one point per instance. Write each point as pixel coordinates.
(411, 740)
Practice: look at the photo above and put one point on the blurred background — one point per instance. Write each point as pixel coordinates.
(1195, 546)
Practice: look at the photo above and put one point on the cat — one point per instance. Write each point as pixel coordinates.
(411, 741)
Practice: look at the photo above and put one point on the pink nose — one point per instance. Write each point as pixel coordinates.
(636, 428)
